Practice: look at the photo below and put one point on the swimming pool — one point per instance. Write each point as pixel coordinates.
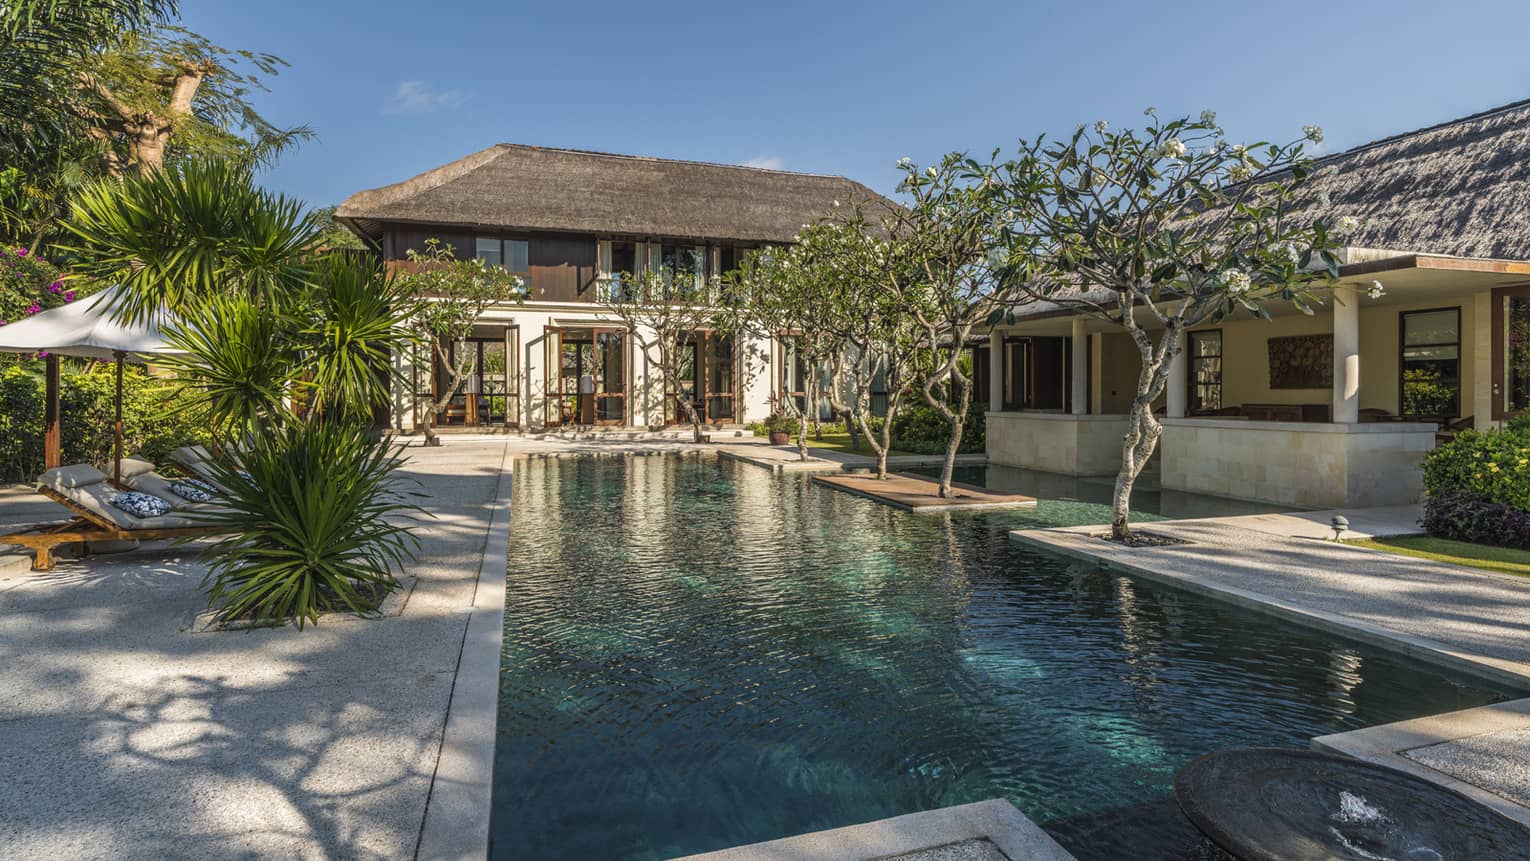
(701, 654)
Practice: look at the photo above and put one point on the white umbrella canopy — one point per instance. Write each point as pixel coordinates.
(86, 329)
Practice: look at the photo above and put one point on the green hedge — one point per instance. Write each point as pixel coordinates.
(155, 419)
(921, 428)
(1493, 466)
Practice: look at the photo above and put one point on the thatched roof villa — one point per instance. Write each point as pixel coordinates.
(1329, 410)
(566, 220)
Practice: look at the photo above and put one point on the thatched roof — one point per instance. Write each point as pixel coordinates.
(516, 187)
(1460, 188)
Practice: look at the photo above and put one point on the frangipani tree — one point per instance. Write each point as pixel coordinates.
(448, 295)
(952, 240)
(777, 294)
(853, 274)
(1156, 231)
(665, 312)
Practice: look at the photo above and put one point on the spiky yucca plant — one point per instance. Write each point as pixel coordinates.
(311, 513)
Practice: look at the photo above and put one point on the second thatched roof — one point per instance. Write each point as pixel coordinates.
(516, 187)
(1460, 188)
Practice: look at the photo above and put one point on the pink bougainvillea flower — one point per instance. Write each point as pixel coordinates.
(68, 295)
(55, 286)
(42, 354)
(21, 252)
(33, 308)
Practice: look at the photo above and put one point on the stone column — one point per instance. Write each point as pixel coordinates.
(1079, 398)
(995, 371)
(1179, 378)
(1346, 356)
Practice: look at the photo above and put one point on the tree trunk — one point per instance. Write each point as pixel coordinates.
(1138, 445)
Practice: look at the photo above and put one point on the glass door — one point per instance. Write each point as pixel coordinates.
(1511, 351)
(719, 378)
(609, 361)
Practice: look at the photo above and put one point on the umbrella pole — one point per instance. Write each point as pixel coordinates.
(53, 436)
(117, 427)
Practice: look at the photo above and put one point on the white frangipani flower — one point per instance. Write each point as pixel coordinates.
(1208, 118)
(1173, 148)
(1324, 200)
(1313, 133)
(1376, 291)
(931, 172)
(1149, 111)
(1239, 172)
(1235, 281)
(905, 161)
(1100, 126)
(1344, 225)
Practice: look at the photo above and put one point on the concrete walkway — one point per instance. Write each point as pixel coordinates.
(123, 736)
(1471, 620)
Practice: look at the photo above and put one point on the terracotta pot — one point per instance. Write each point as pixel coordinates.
(780, 437)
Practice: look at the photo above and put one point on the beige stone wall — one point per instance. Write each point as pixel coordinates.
(1308, 465)
(1246, 356)
(1056, 442)
(1120, 363)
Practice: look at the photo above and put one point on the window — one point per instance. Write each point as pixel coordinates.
(512, 254)
(1511, 351)
(1205, 371)
(1430, 363)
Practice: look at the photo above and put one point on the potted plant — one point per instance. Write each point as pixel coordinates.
(781, 428)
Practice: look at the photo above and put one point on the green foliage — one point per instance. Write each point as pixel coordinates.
(192, 231)
(29, 284)
(332, 235)
(1424, 395)
(43, 43)
(360, 318)
(924, 429)
(309, 511)
(21, 425)
(238, 358)
(156, 418)
(1493, 466)
(139, 75)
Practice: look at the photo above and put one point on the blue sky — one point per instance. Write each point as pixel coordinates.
(395, 88)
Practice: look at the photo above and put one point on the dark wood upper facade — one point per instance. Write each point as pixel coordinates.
(564, 267)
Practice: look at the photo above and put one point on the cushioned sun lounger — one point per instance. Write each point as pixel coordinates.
(88, 492)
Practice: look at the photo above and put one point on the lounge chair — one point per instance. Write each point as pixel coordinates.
(87, 492)
(196, 460)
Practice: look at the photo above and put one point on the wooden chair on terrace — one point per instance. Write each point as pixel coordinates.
(87, 492)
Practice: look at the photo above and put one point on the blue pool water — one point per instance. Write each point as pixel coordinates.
(699, 654)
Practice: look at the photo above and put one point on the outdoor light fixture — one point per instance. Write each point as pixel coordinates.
(1339, 524)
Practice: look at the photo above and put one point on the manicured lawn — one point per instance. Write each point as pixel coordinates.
(840, 441)
(1501, 559)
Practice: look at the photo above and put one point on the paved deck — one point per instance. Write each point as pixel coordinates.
(1471, 620)
(123, 736)
(983, 831)
(920, 494)
(1482, 752)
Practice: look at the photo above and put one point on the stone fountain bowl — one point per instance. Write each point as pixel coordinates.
(1274, 804)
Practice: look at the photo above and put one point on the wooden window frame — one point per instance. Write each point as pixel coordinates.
(1403, 345)
(1192, 407)
(1500, 377)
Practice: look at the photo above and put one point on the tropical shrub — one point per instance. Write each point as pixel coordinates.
(156, 419)
(923, 429)
(29, 284)
(1465, 517)
(309, 522)
(1493, 466)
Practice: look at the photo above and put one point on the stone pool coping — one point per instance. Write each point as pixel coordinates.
(1390, 745)
(458, 808)
(919, 494)
(1172, 566)
(961, 831)
(1416, 631)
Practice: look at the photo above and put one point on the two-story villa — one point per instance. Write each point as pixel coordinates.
(566, 221)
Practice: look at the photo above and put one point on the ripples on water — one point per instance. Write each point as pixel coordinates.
(699, 655)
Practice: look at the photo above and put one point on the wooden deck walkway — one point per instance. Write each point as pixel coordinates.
(917, 493)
